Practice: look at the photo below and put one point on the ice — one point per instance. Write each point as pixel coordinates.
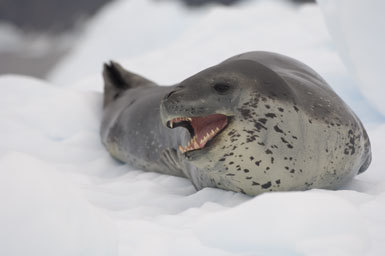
(62, 194)
(357, 28)
(43, 214)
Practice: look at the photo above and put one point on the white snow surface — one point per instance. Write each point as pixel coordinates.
(62, 194)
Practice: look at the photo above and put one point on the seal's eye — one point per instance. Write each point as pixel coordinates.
(221, 87)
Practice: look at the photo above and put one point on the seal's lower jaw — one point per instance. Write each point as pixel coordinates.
(203, 129)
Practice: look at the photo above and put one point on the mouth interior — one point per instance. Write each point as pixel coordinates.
(202, 129)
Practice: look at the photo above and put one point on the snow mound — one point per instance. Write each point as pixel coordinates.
(43, 211)
(43, 214)
(360, 42)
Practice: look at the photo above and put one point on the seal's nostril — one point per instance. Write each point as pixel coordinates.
(176, 89)
(168, 95)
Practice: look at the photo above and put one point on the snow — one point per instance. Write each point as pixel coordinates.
(360, 39)
(62, 194)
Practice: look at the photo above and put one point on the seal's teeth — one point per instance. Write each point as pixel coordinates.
(212, 132)
(181, 149)
(194, 143)
(171, 124)
(217, 129)
(189, 119)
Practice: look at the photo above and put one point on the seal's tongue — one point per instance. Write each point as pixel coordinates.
(205, 128)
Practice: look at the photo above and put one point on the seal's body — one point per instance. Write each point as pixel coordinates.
(256, 122)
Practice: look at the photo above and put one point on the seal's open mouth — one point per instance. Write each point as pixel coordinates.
(202, 129)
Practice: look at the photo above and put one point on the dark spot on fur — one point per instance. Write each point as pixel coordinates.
(259, 126)
(245, 113)
(231, 132)
(266, 185)
(280, 109)
(278, 181)
(258, 162)
(255, 183)
(262, 120)
(230, 174)
(277, 129)
(246, 170)
(268, 151)
(231, 163)
(270, 115)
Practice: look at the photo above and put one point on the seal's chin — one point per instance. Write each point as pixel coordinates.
(202, 129)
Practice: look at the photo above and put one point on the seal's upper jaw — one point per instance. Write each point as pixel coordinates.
(202, 129)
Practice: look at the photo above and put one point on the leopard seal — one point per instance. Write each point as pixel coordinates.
(256, 122)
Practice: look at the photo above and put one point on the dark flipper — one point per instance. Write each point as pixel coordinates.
(366, 164)
(367, 153)
(117, 80)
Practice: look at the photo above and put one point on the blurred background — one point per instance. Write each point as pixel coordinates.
(67, 42)
(37, 34)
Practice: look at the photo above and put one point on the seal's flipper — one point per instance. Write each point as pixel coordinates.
(366, 163)
(118, 80)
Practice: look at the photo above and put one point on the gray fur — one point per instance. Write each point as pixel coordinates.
(288, 129)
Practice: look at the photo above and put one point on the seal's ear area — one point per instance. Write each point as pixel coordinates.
(117, 80)
(117, 76)
(113, 74)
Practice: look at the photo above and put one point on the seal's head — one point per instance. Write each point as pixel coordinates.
(216, 102)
